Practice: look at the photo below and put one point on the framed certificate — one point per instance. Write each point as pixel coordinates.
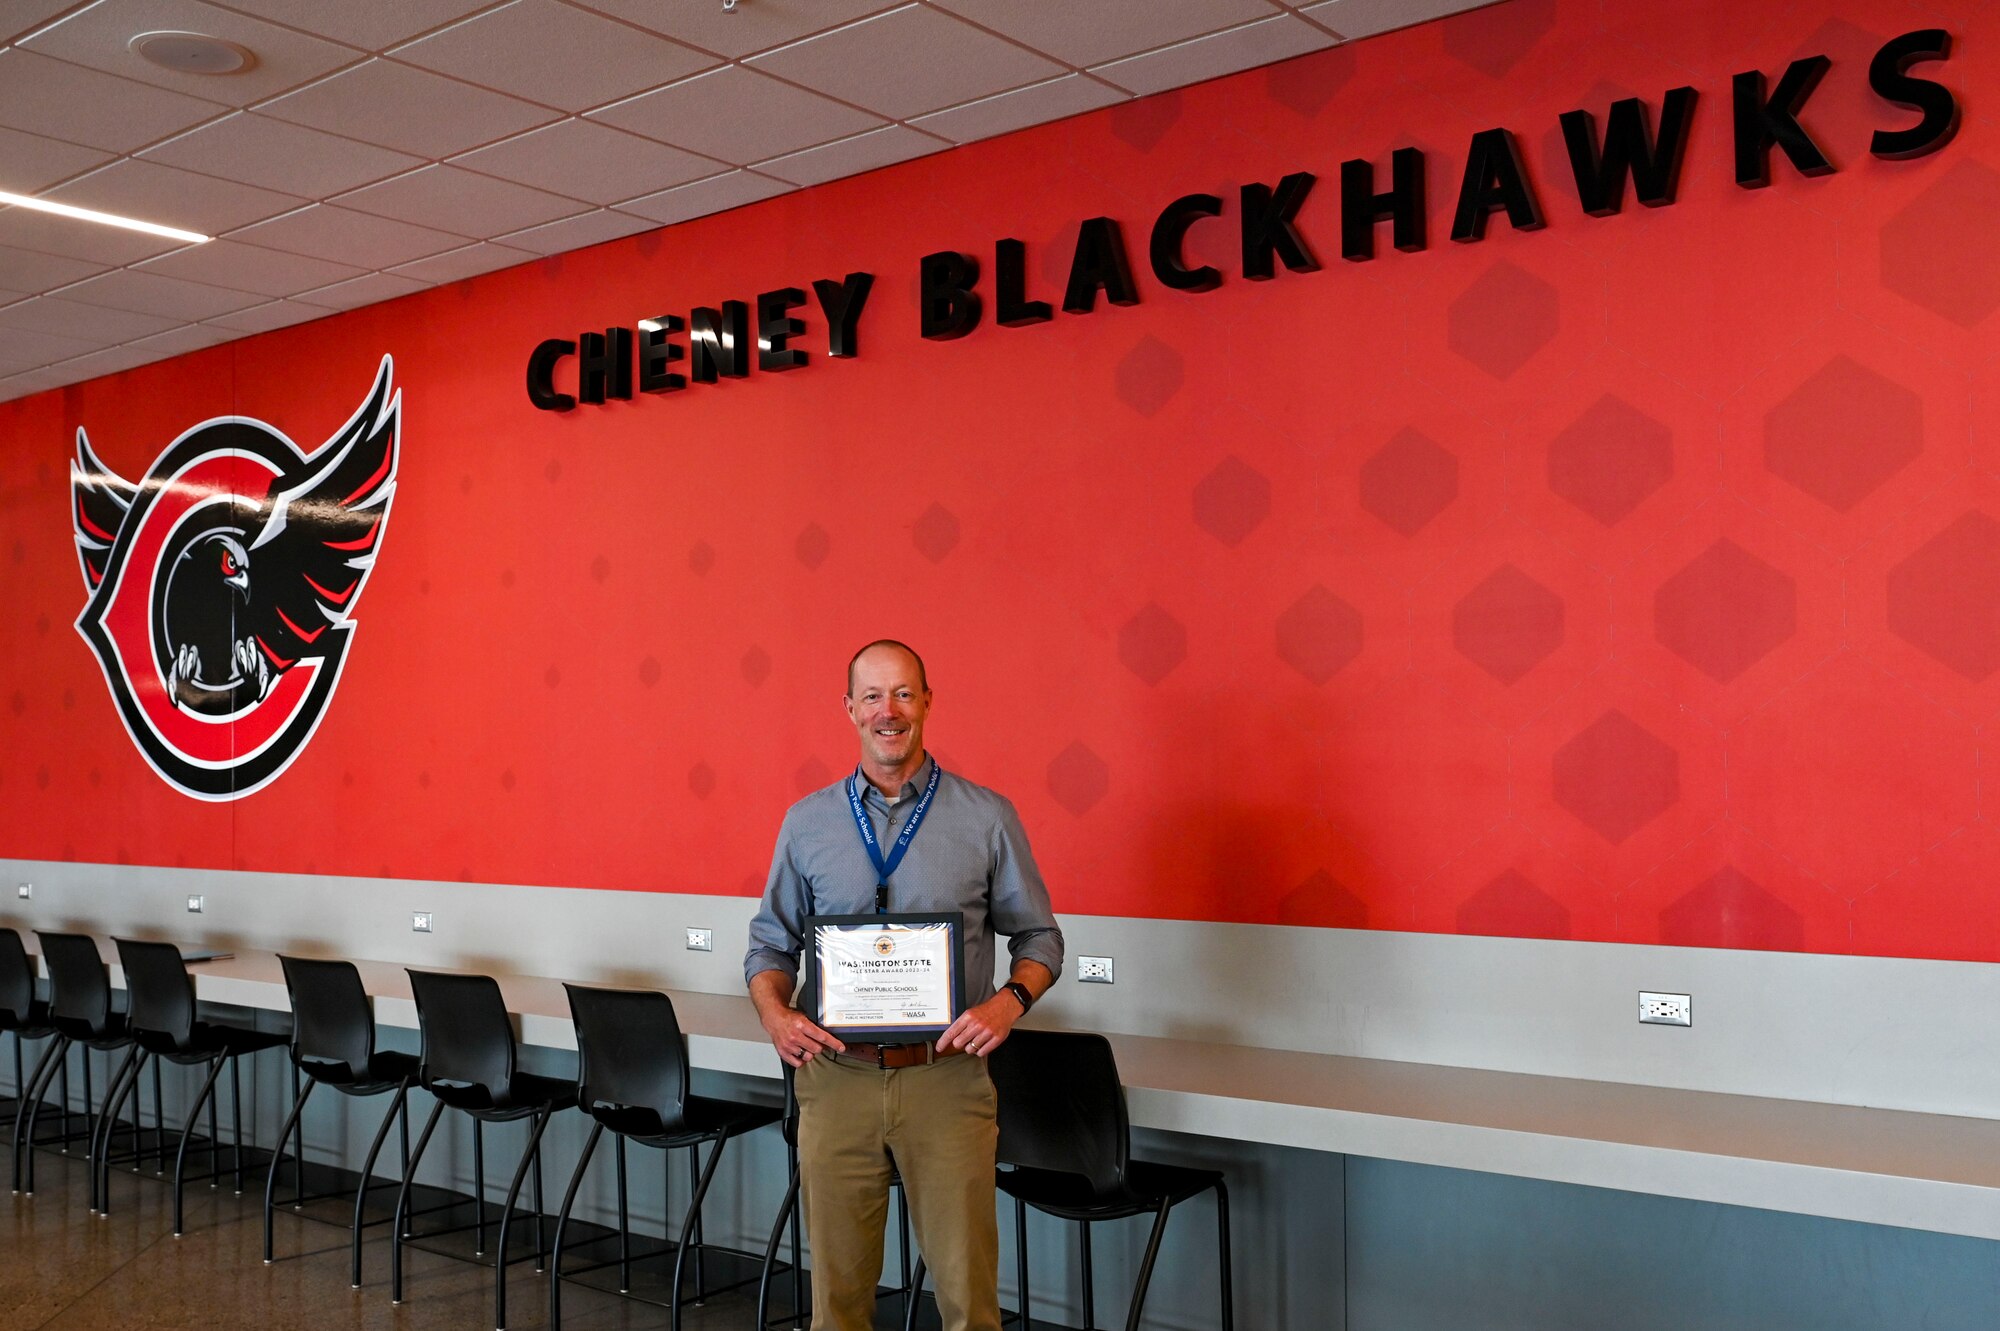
(885, 977)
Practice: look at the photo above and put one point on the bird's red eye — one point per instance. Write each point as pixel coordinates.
(228, 564)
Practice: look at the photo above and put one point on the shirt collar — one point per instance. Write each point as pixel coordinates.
(911, 788)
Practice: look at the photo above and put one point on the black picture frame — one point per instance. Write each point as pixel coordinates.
(811, 996)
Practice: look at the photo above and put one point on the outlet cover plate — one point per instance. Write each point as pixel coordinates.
(25, 891)
(700, 940)
(420, 921)
(1665, 1009)
(195, 904)
(1094, 970)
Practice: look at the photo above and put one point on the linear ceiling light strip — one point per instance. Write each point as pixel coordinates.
(103, 219)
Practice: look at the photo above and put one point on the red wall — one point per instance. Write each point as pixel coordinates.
(1637, 579)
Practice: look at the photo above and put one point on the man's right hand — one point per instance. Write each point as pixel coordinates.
(797, 1038)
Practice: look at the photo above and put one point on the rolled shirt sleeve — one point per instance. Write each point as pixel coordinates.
(778, 930)
(1021, 908)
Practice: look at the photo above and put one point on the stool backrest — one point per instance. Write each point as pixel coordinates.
(79, 988)
(1062, 1106)
(468, 1039)
(630, 1052)
(159, 994)
(17, 978)
(333, 1025)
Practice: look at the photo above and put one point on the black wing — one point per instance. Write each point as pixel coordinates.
(99, 500)
(325, 521)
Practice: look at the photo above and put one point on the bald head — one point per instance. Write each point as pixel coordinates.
(887, 647)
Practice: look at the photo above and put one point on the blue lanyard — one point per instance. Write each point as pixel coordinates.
(885, 867)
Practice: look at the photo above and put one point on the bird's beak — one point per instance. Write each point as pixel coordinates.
(241, 582)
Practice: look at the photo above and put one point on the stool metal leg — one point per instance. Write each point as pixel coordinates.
(1222, 1239)
(688, 1225)
(399, 1109)
(298, 1144)
(771, 1254)
(89, 1123)
(236, 1124)
(55, 1057)
(562, 1222)
(624, 1225)
(700, 1248)
(479, 1188)
(123, 1082)
(917, 1280)
(507, 1216)
(278, 1159)
(1089, 1283)
(180, 1156)
(214, 1138)
(540, 1211)
(1146, 1266)
(159, 1122)
(403, 1205)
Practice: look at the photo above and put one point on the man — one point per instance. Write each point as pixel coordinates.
(929, 1108)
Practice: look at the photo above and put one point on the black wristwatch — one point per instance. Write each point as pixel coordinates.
(1020, 991)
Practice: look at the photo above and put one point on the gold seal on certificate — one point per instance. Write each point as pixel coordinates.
(885, 977)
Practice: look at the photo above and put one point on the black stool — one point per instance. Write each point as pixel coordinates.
(333, 1044)
(788, 1219)
(1064, 1131)
(162, 1024)
(21, 1014)
(632, 1079)
(469, 1064)
(80, 1011)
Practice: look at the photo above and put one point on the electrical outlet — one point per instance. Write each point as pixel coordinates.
(699, 940)
(25, 891)
(420, 921)
(194, 904)
(1666, 1009)
(1094, 970)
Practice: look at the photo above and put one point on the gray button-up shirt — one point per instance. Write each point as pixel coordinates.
(970, 855)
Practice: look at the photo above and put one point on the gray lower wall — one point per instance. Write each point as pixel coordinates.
(1430, 1248)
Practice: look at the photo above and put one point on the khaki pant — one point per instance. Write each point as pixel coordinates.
(938, 1124)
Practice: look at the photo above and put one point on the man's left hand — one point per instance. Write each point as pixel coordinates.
(980, 1030)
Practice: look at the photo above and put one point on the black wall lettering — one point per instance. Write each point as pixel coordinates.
(1361, 207)
(656, 353)
(542, 375)
(1628, 150)
(1888, 75)
(720, 341)
(604, 365)
(1169, 231)
(1494, 179)
(775, 327)
(1268, 229)
(1761, 122)
(841, 302)
(1011, 306)
(1099, 265)
(948, 307)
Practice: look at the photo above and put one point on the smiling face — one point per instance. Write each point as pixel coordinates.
(887, 700)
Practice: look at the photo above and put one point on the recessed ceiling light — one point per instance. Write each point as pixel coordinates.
(192, 53)
(103, 219)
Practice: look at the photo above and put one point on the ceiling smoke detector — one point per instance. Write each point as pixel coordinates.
(192, 53)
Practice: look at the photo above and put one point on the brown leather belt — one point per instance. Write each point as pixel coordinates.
(895, 1055)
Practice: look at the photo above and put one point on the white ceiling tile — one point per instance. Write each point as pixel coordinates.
(78, 105)
(1210, 57)
(111, 246)
(455, 200)
(33, 381)
(713, 114)
(251, 268)
(22, 16)
(586, 160)
(368, 290)
(166, 194)
(22, 350)
(272, 154)
(67, 318)
(457, 265)
(97, 37)
(554, 54)
(1035, 104)
(263, 318)
(29, 162)
(24, 270)
(863, 152)
(409, 109)
(151, 293)
(373, 25)
(754, 26)
(907, 61)
(112, 360)
(576, 232)
(1100, 30)
(179, 341)
(1365, 18)
(717, 194)
(366, 241)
